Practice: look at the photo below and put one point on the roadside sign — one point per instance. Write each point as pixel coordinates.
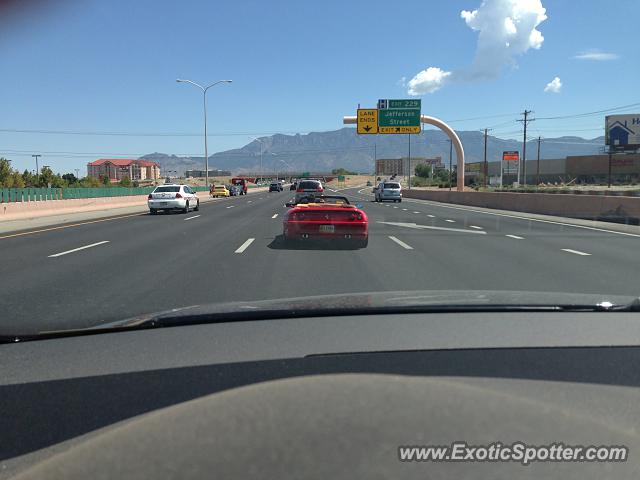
(510, 156)
(341, 178)
(367, 121)
(399, 116)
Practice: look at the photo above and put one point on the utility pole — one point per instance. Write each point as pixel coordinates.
(486, 165)
(37, 168)
(525, 121)
(538, 164)
(375, 159)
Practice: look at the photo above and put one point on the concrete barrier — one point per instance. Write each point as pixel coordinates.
(592, 207)
(18, 210)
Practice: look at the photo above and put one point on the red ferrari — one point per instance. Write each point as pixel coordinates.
(326, 217)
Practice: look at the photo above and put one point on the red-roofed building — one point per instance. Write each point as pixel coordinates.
(118, 168)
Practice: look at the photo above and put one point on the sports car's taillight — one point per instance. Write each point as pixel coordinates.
(297, 216)
(356, 216)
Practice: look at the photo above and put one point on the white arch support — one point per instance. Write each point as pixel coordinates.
(436, 122)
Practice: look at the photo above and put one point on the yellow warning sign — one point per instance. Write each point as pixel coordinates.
(367, 120)
(399, 130)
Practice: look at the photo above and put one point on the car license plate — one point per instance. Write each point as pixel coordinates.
(163, 203)
(327, 228)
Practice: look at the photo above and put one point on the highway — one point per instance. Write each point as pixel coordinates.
(94, 273)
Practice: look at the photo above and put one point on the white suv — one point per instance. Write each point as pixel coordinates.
(173, 197)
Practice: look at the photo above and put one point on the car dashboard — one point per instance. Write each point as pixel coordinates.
(324, 396)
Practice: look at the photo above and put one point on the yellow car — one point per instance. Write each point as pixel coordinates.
(219, 191)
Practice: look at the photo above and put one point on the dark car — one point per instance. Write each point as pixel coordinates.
(275, 187)
(293, 186)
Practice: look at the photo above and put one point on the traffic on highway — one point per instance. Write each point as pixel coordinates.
(326, 240)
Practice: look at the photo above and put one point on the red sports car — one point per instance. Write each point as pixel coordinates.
(325, 217)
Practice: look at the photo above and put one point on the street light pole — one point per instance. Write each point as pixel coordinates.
(204, 101)
(37, 168)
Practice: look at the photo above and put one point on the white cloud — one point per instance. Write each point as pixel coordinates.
(506, 29)
(427, 81)
(402, 82)
(554, 86)
(597, 56)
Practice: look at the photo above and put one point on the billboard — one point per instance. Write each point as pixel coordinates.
(622, 130)
(511, 156)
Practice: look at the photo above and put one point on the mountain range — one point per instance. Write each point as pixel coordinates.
(324, 151)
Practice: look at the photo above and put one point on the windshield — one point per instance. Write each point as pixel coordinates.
(470, 146)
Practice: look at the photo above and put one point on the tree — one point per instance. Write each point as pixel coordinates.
(105, 180)
(29, 178)
(70, 178)
(5, 171)
(90, 182)
(423, 170)
(15, 180)
(125, 182)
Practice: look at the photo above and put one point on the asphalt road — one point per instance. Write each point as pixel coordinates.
(231, 250)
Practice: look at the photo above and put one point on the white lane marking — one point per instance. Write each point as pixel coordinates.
(515, 236)
(78, 249)
(553, 222)
(191, 218)
(577, 252)
(245, 245)
(450, 221)
(429, 227)
(401, 243)
(431, 216)
(274, 215)
(405, 209)
(249, 201)
(395, 207)
(475, 226)
(416, 212)
(231, 206)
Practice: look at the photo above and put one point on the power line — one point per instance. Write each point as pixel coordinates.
(606, 110)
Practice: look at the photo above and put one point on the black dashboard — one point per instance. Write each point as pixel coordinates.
(541, 377)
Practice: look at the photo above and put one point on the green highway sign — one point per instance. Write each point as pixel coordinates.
(399, 116)
(406, 117)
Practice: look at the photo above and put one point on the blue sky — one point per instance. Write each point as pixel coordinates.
(297, 66)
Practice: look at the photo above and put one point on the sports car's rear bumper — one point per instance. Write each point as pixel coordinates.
(319, 230)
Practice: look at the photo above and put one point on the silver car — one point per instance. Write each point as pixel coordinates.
(388, 191)
(308, 189)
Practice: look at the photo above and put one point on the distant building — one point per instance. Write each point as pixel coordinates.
(400, 166)
(118, 168)
(201, 173)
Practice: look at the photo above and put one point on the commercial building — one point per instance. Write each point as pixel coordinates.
(118, 168)
(201, 173)
(402, 166)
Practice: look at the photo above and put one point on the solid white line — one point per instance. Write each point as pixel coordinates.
(577, 252)
(529, 219)
(401, 243)
(78, 249)
(416, 212)
(275, 215)
(431, 216)
(191, 218)
(231, 206)
(475, 226)
(245, 245)
(515, 236)
(428, 227)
